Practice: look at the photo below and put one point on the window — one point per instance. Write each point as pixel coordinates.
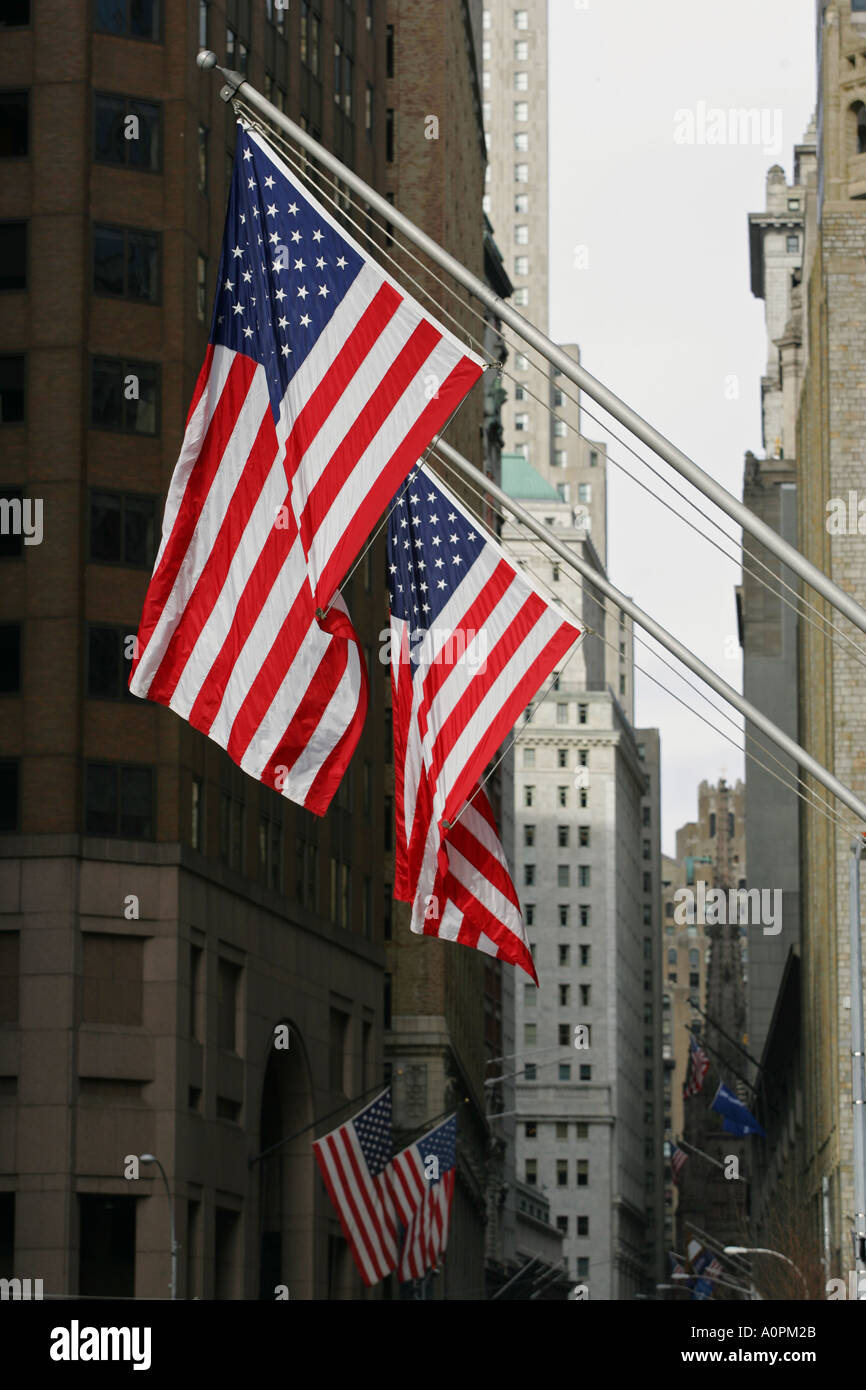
(562, 875)
(530, 1129)
(11, 390)
(529, 914)
(562, 757)
(585, 994)
(562, 836)
(562, 1225)
(563, 490)
(107, 669)
(521, 420)
(528, 795)
(564, 996)
(647, 883)
(554, 571)
(563, 915)
(10, 658)
(529, 1071)
(521, 19)
(584, 492)
(583, 876)
(529, 875)
(584, 955)
(694, 979)
(14, 125)
(645, 816)
(562, 713)
(119, 801)
(565, 1071)
(521, 173)
(622, 685)
(521, 141)
(582, 713)
(564, 952)
(583, 835)
(231, 830)
(124, 395)
(583, 757)
(562, 796)
(562, 1172)
(531, 1172)
(127, 131)
(582, 798)
(131, 19)
(521, 297)
(585, 1071)
(792, 242)
(201, 287)
(530, 996)
(593, 459)
(582, 1130)
(583, 1266)
(122, 529)
(560, 430)
(521, 51)
(583, 1172)
(126, 263)
(584, 916)
(8, 794)
(486, 19)
(112, 978)
(228, 982)
(13, 255)
(521, 267)
(529, 1034)
(521, 82)
(529, 834)
(583, 1225)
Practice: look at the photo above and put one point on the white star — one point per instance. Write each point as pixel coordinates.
(423, 587)
(243, 217)
(317, 235)
(228, 285)
(403, 521)
(219, 318)
(431, 496)
(453, 539)
(274, 238)
(405, 545)
(320, 263)
(434, 520)
(238, 309)
(296, 236)
(285, 350)
(440, 584)
(306, 320)
(419, 543)
(302, 291)
(255, 212)
(471, 536)
(456, 560)
(293, 209)
(248, 154)
(283, 322)
(437, 540)
(414, 499)
(269, 183)
(280, 294)
(299, 265)
(452, 516)
(248, 275)
(392, 569)
(323, 291)
(251, 183)
(237, 251)
(439, 564)
(272, 209)
(416, 521)
(342, 262)
(425, 607)
(248, 332)
(420, 565)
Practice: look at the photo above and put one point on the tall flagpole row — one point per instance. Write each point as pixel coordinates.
(673, 645)
(236, 84)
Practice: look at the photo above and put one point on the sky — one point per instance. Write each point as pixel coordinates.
(649, 274)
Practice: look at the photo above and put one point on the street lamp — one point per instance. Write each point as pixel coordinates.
(760, 1250)
(151, 1158)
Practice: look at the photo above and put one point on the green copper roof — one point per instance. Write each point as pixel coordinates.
(523, 483)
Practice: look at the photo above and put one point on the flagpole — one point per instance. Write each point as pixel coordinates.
(684, 1144)
(320, 1119)
(570, 557)
(716, 1053)
(236, 85)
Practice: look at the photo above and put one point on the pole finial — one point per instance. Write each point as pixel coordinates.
(206, 59)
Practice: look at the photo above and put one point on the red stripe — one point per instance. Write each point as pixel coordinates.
(198, 486)
(201, 382)
(485, 864)
(209, 585)
(353, 1230)
(331, 771)
(388, 478)
(370, 1198)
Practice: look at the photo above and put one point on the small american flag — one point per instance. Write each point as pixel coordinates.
(679, 1158)
(354, 1161)
(471, 642)
(698, 1066)
(321, 384)
(423, 1182)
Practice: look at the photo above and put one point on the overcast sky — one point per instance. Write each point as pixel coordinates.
(650, 275)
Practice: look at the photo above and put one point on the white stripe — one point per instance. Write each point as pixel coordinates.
(339, 1184)
(347, 1141)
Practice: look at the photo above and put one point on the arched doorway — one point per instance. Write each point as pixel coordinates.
(286, 1176)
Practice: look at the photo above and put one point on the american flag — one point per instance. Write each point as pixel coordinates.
(713, 1270)
(354, 1161)
(423, 1183)
(322, 382)
(471, 642)
(698, 1066)
(679, 1158)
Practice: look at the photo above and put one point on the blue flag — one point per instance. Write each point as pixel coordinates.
(736, 1117)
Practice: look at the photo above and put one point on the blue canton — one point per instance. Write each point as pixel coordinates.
(431, 547)
(443, 1143)
(283, 271)
(373, 1128)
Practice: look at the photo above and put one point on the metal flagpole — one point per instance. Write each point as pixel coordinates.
(570, 557)
(858, 1092)
(236, 85)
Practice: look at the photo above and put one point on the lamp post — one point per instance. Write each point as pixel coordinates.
(760, 1250)
(151, 1158)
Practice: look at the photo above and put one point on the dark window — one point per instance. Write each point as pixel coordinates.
(14, 14)
(389, 135)
(712, 824)
(131, 19)
(127, 131)
(9, 794)
(13, 255)
(529, 1071)
(122, 529)
(13, 125)
(126, 263)
(106, 1256)
(112, 978)
(11, 390)
(108, 665)
(119, 800)
(9, 976)
(583, 1225)
(389, 51)
(229, 976)
(10, 658)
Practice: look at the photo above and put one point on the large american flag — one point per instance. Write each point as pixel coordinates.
(354, 1161)
(471, 642)
(422, 1177)
(321, 384)
(697, 1068)
(679, 1158)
